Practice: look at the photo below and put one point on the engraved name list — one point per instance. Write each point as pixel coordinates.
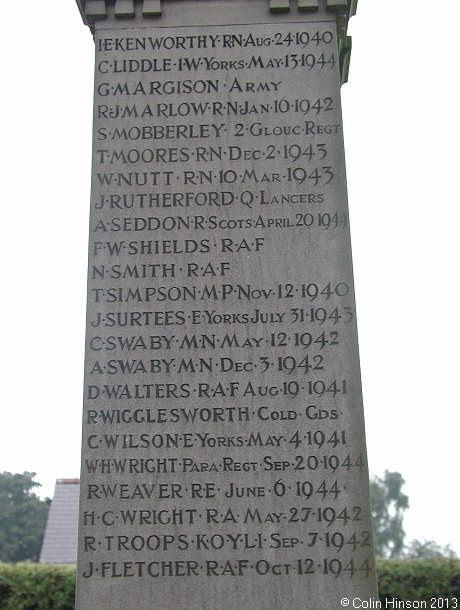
(224, 458)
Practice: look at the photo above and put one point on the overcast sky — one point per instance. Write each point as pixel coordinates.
(401, 127)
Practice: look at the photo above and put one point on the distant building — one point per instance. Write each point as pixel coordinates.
(60, 539)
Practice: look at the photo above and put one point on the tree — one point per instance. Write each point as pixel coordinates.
(428, 549)
(22, 517)
(388, 504)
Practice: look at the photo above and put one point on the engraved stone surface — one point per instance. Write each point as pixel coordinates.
(224, 460)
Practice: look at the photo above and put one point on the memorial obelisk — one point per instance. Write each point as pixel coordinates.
(224, 460)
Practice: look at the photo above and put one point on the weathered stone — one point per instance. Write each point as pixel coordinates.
(224, 460)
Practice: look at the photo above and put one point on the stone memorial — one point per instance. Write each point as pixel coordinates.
(224, 460)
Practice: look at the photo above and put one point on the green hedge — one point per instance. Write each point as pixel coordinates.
(30, 586)
(418, 579)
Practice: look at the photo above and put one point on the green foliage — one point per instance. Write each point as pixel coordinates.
(388, 504)
(418, 579)
(36, 587)
(22, 517)
(428, 549)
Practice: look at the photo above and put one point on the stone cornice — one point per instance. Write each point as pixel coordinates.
(97, 10)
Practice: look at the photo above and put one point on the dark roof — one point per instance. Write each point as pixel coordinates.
(60, 541)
